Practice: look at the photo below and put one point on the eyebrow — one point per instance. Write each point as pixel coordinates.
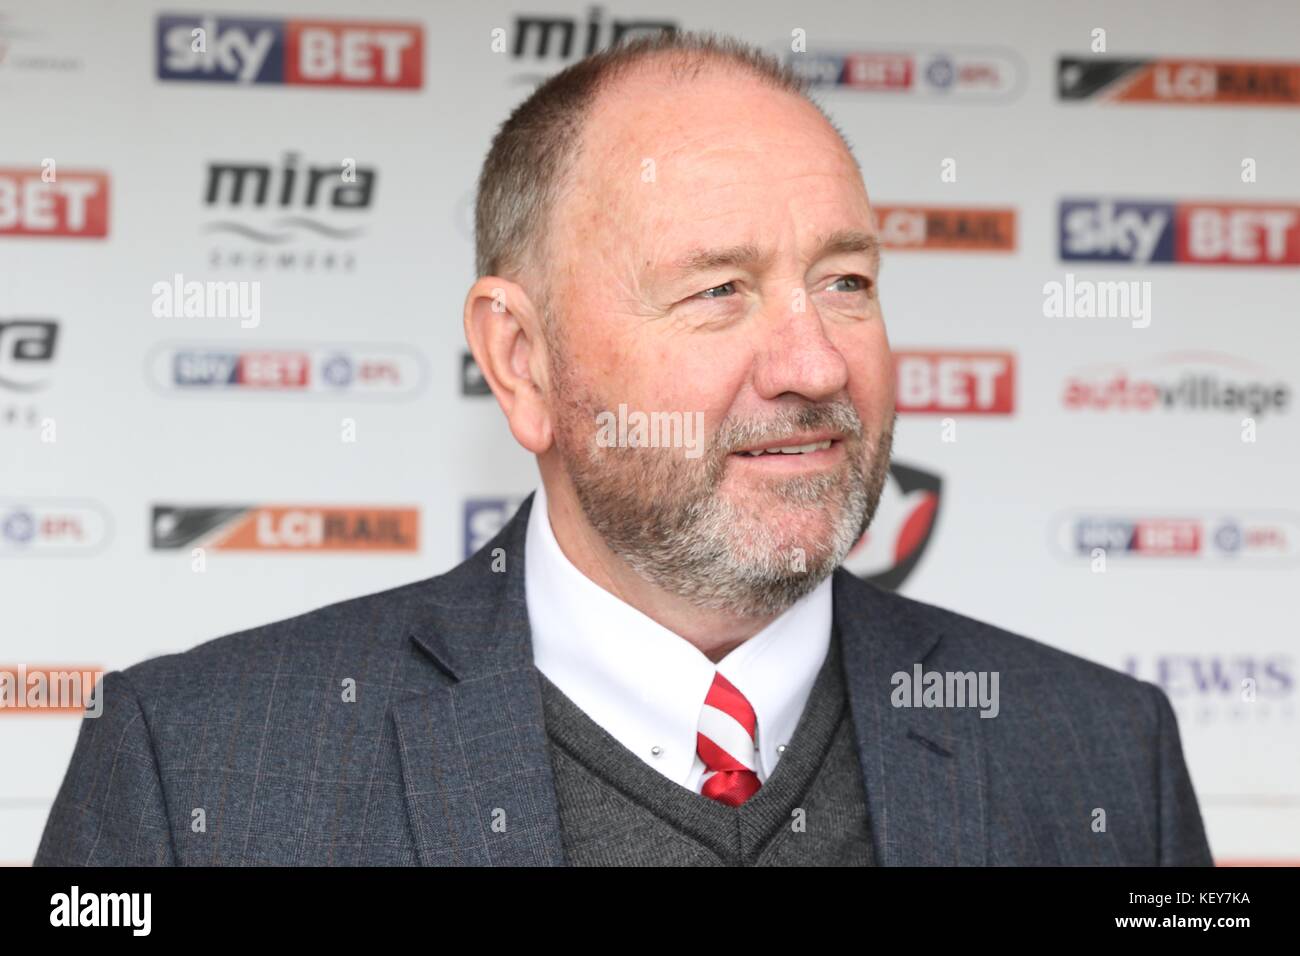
(749, 254)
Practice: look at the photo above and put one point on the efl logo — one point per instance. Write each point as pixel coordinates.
(314, 370)
(1241, 234)
(955, 383)
(51, 527)
(1194, 82)
(291, 52)
(979, 74)
(1221, 539)
(286, 528)
(72, 205)
(946, 229)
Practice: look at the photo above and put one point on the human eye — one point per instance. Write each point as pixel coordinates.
(860, 283)
(707, 293)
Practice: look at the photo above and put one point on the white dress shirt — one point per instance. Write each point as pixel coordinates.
(646, 685)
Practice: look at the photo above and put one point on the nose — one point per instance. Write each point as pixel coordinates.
(794, 355)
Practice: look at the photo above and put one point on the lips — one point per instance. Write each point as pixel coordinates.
(789, 449)
(797, 445)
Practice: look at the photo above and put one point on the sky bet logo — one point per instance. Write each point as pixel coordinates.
(291, 52)
(1242, 234)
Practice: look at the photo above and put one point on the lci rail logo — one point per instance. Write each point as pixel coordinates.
(317, 371)
(295, 52)
(1198, 233)
(51, 527)
(61, 203)
(1201, 383)
(1222, 686)
(1221, 539)
(286, 528)
(964, 74)
(955, 383)
(1179, 81)
(946, 228)
(905, 519)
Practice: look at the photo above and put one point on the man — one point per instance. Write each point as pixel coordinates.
(658, 660)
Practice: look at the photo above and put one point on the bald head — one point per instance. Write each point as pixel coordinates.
(536, 161)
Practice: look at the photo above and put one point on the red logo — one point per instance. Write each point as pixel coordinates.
(74, 204)
(955, 383)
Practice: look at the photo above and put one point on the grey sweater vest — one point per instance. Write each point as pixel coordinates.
(616, 810)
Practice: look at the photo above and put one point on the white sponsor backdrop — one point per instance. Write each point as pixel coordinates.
(382, 286)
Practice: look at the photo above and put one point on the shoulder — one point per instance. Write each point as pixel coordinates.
(967, 644)
(356, 636)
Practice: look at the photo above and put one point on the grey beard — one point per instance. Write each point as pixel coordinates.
(697, 544)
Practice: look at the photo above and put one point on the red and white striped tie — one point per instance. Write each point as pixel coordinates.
(726, 742)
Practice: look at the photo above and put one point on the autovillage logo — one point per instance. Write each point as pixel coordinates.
(540, 44)
(51, 527)
(955, 383)
(290, 52)
(946, 228)
(1195, 233)
(904, 522)
(1218, 538)
(26, 363)
(54, 203)
(314, 370)
(287, 217)
(484, 517)
(286, 528)
(1187, 383)
(1236, 686)
(973, 74)
(1178, 81)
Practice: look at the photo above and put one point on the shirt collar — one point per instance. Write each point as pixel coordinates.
(643, 683)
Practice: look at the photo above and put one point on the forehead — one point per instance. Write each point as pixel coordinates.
(670, 161)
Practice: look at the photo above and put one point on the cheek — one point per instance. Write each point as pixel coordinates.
(871, 374)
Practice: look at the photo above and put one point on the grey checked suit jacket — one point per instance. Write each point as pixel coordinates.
(244, 751)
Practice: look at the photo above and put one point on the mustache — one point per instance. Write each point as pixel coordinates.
(840, 417)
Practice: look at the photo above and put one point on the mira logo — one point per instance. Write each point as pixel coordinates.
(1108, 230)
(542, 38)
(276, 208)
(246, 51)
(66, 204)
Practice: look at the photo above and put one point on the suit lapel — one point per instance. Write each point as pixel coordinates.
(476, 765)
(471, 733)
(923, 769)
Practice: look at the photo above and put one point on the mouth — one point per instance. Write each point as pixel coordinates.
(797, 454)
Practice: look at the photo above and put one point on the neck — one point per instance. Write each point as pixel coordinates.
(714, 633)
